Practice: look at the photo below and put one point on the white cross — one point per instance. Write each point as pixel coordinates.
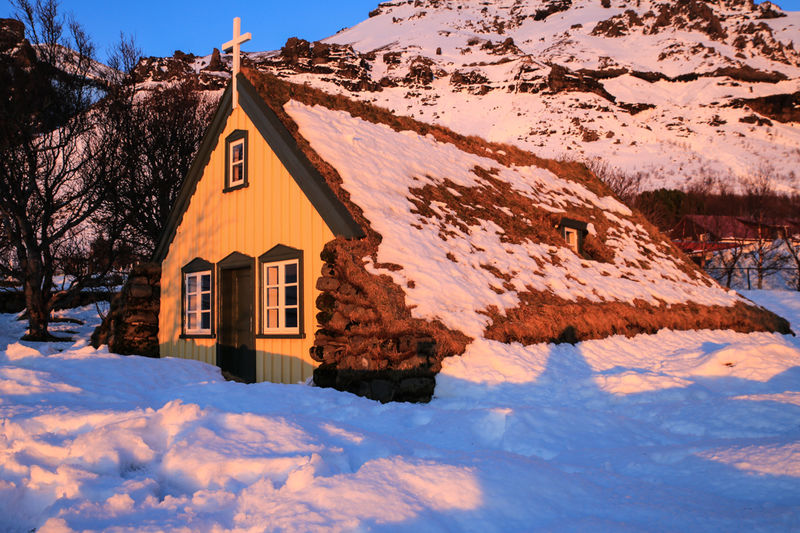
(234, 45)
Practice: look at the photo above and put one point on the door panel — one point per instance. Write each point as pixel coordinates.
(236, 353)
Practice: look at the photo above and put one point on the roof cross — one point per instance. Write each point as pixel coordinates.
(234, 45)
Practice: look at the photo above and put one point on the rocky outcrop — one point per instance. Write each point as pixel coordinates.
(619, 25)
(551, 7)
(12, 33)
(338, 64)
(504, 48)
(780, 107)
(215, 63)
(561, 79)
(689, 15)
(131, 326)
(14, 47)
(473, 81)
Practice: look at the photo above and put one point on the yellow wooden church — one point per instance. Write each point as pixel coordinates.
(238, 281)
(319, 236)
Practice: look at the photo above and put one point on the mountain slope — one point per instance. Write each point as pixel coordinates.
(681, 93)
(655, 87)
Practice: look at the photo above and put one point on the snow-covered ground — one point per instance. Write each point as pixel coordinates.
(674, 431)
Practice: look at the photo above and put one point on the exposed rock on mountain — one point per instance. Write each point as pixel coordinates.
(780, 107)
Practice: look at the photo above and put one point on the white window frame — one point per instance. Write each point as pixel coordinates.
(234, 163)
(573, 244)
(281, 306)
(198, 312)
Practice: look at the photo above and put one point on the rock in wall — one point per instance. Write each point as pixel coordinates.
(131, 327)
(368, 343)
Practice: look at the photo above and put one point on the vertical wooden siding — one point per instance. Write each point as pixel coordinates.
(270, 210)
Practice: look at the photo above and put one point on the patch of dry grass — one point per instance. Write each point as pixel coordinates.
(542, 317)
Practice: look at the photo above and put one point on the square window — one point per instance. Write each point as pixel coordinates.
(281, 297)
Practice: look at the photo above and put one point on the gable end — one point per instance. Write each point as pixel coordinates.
(189, 186)
(308, 178)
(280, 140)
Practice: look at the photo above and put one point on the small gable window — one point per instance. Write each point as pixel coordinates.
(571, 236)
(197, 299)
(574, 232)
(282, 292)
(236, 160)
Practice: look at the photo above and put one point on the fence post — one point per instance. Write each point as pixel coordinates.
(748, 278)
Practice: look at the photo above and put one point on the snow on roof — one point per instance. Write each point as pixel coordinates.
(466, 227)
(381, 168)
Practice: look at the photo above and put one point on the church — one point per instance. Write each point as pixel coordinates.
(316, 236)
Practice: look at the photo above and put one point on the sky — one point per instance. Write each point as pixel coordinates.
(162, 26)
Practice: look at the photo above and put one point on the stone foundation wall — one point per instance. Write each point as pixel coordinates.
(131, 327)
(367, 343)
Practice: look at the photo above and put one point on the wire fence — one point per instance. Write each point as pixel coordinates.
(785, 278)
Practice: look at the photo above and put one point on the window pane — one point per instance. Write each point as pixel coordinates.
(238, 152)
(291, 273)
(206, 320)
(205, 282)
(272, 297)
(191, 302)
(237, 173)
(191, 321)
(272, 318)
(272, 276)
(205, 303)
(291, 295)
(191, 283)
(291, 317)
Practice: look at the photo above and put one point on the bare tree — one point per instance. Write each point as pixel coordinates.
(625, 185)
(53, 164)
(765, 252)
(166, 126)
(792, 244)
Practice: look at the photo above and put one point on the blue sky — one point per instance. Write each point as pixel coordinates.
(163, 26)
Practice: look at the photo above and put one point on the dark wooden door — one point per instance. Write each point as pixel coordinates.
(236, 354)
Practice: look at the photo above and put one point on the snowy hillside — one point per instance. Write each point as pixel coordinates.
(682, 92)
(645, 86)
(674, 431)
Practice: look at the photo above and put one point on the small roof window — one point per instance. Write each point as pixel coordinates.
(574, 232)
